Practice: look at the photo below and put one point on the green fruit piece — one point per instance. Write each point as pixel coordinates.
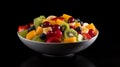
(23, 33)
(70, 33)
(37, 21)
(64, 26)
(37, 38)
(79, 37)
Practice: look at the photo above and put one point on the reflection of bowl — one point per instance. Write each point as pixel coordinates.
(57, 49)
(41, 61)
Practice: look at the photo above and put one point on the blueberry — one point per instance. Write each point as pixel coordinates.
(43, 36)
(78, 29)
(31, 28)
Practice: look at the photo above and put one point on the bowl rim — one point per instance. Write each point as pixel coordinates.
(56, 42)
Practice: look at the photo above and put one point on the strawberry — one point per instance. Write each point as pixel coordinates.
(86, 36)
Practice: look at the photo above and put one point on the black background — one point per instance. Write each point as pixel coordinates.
(103, 52)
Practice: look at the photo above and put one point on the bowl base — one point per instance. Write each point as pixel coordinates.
(68, 55)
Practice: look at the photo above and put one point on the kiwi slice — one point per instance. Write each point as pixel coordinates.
(37, 21)
(37, 38)
(70, 33)
(23, 33)
(64, 26)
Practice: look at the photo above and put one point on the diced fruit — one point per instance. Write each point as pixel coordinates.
(43, 36)
(53, 39)
(50, 34)
(59, 22)
(38, 20)
(31, 28)
(86, 36)
(71, 20)
(58, 33)
(91, 32)
(66, 16)
(56, 27)
(84, 29)
(91, 26)
(79, 37)
(85, 24)
(73, 27)
(79, 32)
(64, 26)
(78, 29)
(31, 34)
(58, 18)
(37, 38)
(27, 26)
(77, 25)
(23, 33)
(46, 29)
(46, 24)
(71, 39)
(70, 33)
(50, 17)
(21, 28)
(39, 30)
(71, 24)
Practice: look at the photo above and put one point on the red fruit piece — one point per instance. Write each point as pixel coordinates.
(60, 18)
(91, 32)
(53, 39)
(21, 28)
(79, 32)
(50, 34)
(72, 27)
(58, 33)
(46, 24)
(56, 27)
(71, 20)
(27, 26)
(86, 36)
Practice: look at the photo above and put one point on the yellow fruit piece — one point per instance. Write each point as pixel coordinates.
(31, 34)
(91, 26)
(59, 22)
(52, 22)
(39, 30)
(71, 39)
(84, 29)
(66, 16)
(45, 30)
(77, 24)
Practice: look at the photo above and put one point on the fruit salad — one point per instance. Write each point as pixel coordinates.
(64, 28)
